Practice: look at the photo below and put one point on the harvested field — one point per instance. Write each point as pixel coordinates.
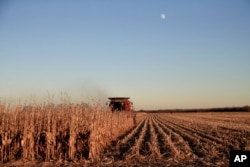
(75, 135)
(195, 139)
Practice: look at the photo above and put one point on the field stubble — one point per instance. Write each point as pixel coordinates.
(184, 139)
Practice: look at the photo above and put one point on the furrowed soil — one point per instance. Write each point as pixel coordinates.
(183, 139)
(171, 139)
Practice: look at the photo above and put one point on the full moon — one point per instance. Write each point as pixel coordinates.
(163, 16)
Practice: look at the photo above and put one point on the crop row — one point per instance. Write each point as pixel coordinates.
(176, 139)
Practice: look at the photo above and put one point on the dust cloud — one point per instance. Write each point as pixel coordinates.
(79, 92)
(89, 92)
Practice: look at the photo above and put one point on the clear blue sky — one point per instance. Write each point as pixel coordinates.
(198, 56)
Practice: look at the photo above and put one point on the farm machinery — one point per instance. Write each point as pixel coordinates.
(120, 104)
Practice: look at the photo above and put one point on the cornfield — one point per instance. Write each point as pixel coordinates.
(90, 135)
(62, 132)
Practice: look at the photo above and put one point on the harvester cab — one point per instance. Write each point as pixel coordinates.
(120, 104)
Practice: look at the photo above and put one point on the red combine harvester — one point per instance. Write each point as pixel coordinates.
(120, 104)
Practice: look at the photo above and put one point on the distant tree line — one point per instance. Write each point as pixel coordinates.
(221, 109)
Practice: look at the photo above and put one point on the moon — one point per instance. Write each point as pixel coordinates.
(163, 16)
